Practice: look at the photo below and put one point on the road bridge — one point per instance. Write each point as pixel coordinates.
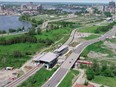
(62, 71)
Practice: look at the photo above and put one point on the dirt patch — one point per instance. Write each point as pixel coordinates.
(110, 45)
(93, 54)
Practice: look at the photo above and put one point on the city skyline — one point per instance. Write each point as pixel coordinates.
(83, 1)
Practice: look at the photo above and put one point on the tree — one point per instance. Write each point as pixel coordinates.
(102, 86)
(90, 74)
(38, 31)
(17, 54)
(32, 32)
(107, 14)
(108, 73)
(86, 83)
(96, 67)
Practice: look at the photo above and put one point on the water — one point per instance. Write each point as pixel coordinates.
(7, 22)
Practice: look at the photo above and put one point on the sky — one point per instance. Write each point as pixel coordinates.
(101, 1)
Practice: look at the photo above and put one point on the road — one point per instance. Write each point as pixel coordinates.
(59, 75)
(24, 77)
(81, 79)
(45, 24)
(21, 79)
(71, 37)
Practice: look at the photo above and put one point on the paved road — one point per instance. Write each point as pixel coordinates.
(81, 79)
(24, 77)
(71, 37)
(45, 24)
(58, 76)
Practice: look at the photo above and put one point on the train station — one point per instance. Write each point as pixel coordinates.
(49, 60)
(62, 50)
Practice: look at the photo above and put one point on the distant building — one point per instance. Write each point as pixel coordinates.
(2, 7)
(30, 7)
(80, 85)
(24, 7)
(111, 7)
(90, 10)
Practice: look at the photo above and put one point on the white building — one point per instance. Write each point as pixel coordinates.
(60, 51)
(49, 59)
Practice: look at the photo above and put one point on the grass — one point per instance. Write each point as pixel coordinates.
(89, 29)
(54, 34)
(97, 47)
(91, 37)
(6, 58)
(38, 79)
(6, 51)
(108, 81)
(67, 81)
(10, 36)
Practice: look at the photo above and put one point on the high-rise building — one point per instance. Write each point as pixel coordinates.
(111, 7)
(2, 7)
(112, 4)
(24, 7)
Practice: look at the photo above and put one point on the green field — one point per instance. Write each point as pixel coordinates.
(38, 79)
(97, 47)
(6, 51)
(91, 37)
(88, 29)
(67, 81)
(108, 81)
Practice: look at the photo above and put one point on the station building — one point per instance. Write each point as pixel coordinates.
(49, 60)
(60, 51)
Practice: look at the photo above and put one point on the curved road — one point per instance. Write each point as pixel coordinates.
(59, 75)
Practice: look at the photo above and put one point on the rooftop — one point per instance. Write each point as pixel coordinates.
(61, 48)
(37, 57)
(48, 57)
(80, 85)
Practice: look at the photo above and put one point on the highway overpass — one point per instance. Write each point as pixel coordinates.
(62, 71)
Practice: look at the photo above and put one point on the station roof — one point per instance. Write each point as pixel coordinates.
(50, 56)
(37, 57)
(61, 48)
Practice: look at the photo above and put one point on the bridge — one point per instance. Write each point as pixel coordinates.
(62, 71)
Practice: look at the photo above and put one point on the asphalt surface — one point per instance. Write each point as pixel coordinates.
(24, 77)
(59, 75)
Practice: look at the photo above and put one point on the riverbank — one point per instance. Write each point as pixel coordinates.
(12, 22)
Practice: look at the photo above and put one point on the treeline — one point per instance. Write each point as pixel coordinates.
(105, 28)
(16, 30)
(2, 32)
(20, 39)
(101, 70)
(24, 17)
(35, 22)
(62, 24)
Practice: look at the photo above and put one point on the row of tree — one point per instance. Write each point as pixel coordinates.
(20, 39)
(105, 28)
(24, 17)
(57, 25)
(2, 32)
(16, 30)
(101, 70)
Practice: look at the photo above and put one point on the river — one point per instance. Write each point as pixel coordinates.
(7, 22)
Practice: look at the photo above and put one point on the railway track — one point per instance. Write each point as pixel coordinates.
(24, 77)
